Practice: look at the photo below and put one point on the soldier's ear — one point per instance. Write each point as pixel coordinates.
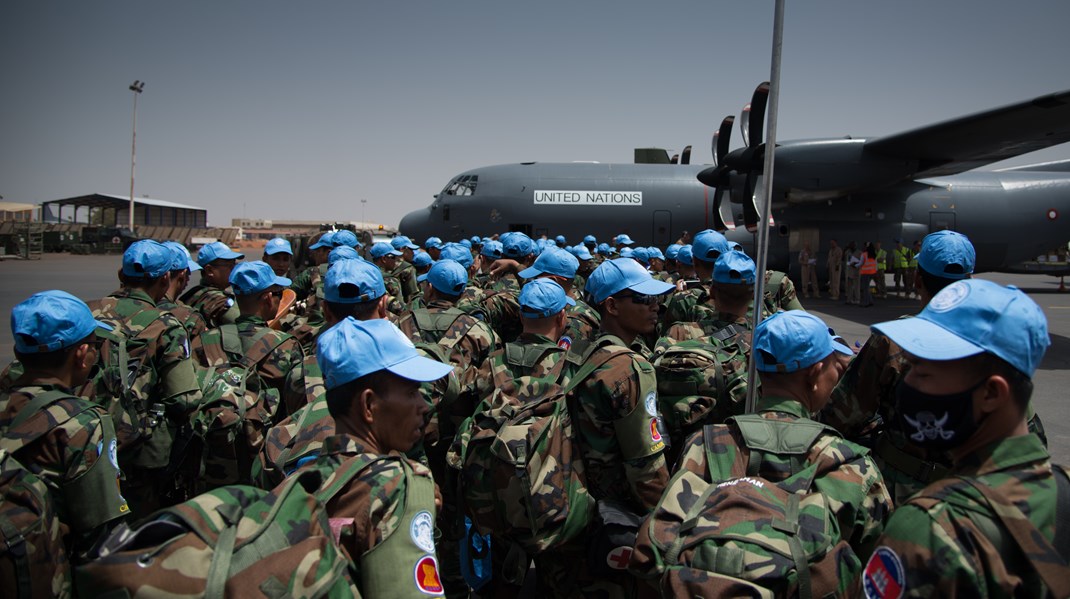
(367, 404)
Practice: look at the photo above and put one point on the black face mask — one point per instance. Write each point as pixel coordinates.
(936, 422)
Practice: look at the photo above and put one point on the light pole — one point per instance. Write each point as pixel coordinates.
(363, 203)
(136, 87)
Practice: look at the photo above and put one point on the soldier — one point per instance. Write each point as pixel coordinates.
(433, 246)
(405, 271)
(731, 291)
(622, 241)
(797, 358)
(278, 356)
(66, 441)
(182, 268)
(985, 530)
(834, 264)
(591, 242)
(900, 264)
(165, 380)
(561, 266)
(210, 297)
(279, 255)
(386, 257)
(421, 261)
(383, 504)
(615, 416)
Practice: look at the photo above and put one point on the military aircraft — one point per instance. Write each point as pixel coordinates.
(900, 186)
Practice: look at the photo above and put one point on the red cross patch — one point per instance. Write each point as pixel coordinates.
(618, 558)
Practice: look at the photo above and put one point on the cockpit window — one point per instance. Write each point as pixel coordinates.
(465, 185)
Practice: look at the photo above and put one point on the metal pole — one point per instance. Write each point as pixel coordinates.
(363, 203)
(136, 87)
(765, 208)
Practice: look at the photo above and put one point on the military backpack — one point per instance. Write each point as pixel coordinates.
(749, 536)
(234, 541)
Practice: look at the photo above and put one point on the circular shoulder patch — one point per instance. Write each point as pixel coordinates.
(113, 453)
(949, 297)
(651, 403)
(426, 576)
(422, 531)
(884, 577)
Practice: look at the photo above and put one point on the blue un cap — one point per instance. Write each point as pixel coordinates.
(614, 276)
(217, 250)
(432, 243)
(604, 249)
(973, 316)
(622, 239)
(581, 252)
(383, 249)
(446, 276)
(147, 258)
(654, 252)
(591, 239)
(50, 321)
(517, 245)
(684, 255)
(457, 253)
(326, 240)
(553, 261)
(403, 242)
(342, 252)
(708, 245)
(642, 255)
(353, 282)
(277, 245)
(540, 298)
(793, 340)
(734, 268)
(180, 257)
(345, 238)
(421, 259)
(947, 254)
(492, 248)
(248, 278)
(352, 349)
(672, 251)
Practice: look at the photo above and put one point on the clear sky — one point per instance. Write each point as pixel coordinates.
(299, 110)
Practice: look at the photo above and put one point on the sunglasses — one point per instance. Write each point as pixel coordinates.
(277, 293)
(639, 298)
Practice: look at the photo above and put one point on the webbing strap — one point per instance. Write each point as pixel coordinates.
(15, 541)
(215, 587)
(1062, 512)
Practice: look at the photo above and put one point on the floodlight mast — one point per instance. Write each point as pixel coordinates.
(137, 88)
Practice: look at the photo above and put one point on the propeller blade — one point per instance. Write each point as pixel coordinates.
(750, 212)
(744, 125)
(719, 224)
(756, 122)
(722, 138)
(685, 158)
(675, 159)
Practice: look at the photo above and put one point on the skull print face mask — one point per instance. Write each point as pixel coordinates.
(935, 422)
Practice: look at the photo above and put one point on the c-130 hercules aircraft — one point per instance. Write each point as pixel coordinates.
(902, 186)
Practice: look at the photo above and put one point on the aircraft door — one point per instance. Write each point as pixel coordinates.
(938, 221)
(662, 228)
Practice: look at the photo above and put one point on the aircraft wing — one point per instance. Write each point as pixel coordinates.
(971, 141)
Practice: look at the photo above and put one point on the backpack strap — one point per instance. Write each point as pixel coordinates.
(257, 351)
(436, 322)
(786, 439)
(13, 443)
(728, 332)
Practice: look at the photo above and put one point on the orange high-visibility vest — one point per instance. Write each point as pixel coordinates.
(869, 265)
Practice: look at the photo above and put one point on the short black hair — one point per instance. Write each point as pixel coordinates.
(340, 399)
(934, 283)
(359, 310)
(50, 360)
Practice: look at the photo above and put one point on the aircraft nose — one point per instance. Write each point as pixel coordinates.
(414, 224)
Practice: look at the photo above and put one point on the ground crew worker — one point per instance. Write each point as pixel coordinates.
(386, 511)
(973, 351)
(799, 361)
(210, 297)
(852, 276)
(66, 441)
(808, 266)
(882, 270)
(867, 271)
(164, 385)
(279, 255)
(912, 269)
(900, 263)
(182, 268)
(278, 356)
(405, 271)
(834, 264)
(615, 415)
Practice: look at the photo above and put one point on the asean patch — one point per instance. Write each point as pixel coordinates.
(884, 577)
(422, 531)
(618, 558)
(427, 578)
(651, 403)
(655, 434)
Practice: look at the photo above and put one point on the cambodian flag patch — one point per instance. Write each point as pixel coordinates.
(884, 577)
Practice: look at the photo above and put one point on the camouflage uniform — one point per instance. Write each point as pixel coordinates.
(76, 460)
(405, 273)
(215, 305)
(308, 286)
(727, 328)
(283, 369)
(616, 426)
(846, 475)
(189, 317)
(584, 323)
(394, 293)
(935, 545)
(369, 512)
(174, 386)
(501, 310)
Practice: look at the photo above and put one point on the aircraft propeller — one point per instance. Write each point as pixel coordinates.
(718, 176)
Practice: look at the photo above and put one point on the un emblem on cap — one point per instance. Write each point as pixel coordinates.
(949, 297)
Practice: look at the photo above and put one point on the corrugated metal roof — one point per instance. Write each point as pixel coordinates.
(88, 199)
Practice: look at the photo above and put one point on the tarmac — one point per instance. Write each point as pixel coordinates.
(95, 276)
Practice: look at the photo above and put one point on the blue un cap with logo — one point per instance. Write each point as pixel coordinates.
(708, 245)
(540, 298)
(342, 252)
(248, 278)
(50, 321)
(457, 253)
(517, 245)
(734, 268)
(383, 249)
(446, 276)
(614, 276)
(421, 259)
(217, 250)
(554, 261)
(947, 254)
(403, 242)
(277, 245)
(180, 257)
(352, 349)
(492, 248)
(793, 340)
(973, 316)
(147, 258)
(353, 282)
(326, 240)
